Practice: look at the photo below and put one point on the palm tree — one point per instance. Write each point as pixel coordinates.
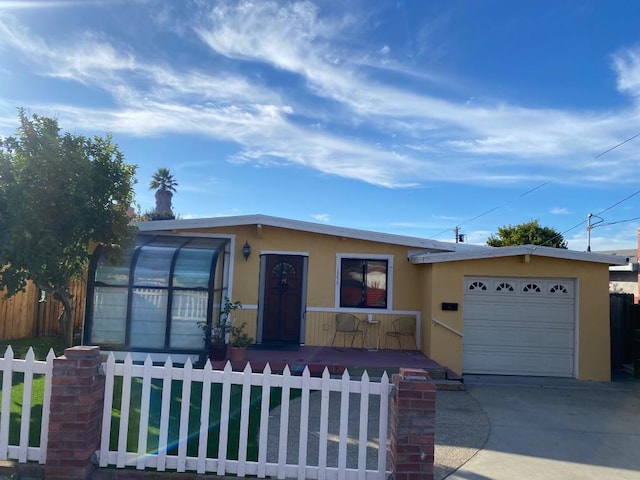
(165, 185)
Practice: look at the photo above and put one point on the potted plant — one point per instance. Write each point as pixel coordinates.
(215, 335)
(239, 341)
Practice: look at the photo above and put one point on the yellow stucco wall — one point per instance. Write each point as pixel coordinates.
(418, 288)
(446, 284)
(406, 294)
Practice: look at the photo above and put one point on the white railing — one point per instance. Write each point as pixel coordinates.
(447, 327)
(29, 367)
(331, 428)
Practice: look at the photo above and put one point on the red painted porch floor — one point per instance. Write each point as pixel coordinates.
(336, 360)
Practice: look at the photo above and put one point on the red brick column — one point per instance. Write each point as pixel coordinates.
(77, 396)
(413, 410)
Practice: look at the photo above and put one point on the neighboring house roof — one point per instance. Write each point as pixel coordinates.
(494, 252)
(630, 257)
(424, 244)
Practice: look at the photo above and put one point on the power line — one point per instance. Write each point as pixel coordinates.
(596, 215)
(615, 223)
(537, 187)
(618, 203)
(616, 146)
(531, 190)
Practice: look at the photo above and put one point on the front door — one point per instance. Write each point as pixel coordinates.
(283, 288)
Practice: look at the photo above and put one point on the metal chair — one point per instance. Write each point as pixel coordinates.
(402, 327)
(347, 324)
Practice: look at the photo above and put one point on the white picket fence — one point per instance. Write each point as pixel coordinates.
(30, 368)
(325, 433)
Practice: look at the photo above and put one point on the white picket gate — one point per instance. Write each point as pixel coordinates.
(312, 437)
(29, 367)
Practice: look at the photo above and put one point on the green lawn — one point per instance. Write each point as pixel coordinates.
(194, 418)
(41, 347)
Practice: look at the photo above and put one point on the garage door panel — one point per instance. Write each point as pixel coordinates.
(505, 362)
(523, 326)
(533, 311)
(509, 335)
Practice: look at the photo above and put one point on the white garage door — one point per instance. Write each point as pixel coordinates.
(519, 326)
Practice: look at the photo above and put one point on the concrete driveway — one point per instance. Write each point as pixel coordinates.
(543, 428)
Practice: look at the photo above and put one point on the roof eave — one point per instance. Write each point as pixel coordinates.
(497, 252)
(231, 221)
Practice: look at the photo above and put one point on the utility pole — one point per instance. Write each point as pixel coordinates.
(457, 233)
(589, 215)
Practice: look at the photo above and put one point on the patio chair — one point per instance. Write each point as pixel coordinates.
(402, 327)
(347, 324)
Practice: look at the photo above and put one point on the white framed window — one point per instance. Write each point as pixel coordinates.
(364, 281)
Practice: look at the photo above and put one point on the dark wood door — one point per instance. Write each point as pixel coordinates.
(281, 320)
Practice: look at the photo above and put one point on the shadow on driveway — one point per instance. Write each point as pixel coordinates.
(551, 428)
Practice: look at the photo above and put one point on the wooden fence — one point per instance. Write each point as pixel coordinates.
(624, 318)
(27, 315)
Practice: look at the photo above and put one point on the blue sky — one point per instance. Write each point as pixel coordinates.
(408, 117)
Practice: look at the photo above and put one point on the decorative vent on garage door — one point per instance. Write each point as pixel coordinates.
(531, 288)
(504, 287)
(558, 289)
(477, 286)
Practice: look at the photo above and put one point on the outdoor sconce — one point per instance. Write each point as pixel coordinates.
(246, 250)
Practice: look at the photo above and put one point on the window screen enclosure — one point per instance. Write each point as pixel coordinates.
(155, 296)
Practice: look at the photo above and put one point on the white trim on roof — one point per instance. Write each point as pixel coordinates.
(628, 267)
(495, 252)
(416, 242)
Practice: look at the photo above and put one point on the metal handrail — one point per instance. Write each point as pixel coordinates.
(444, 325)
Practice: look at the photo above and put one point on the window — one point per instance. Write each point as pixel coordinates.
(363, 282)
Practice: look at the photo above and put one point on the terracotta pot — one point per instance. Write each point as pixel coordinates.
(237, 353)
(218, 351)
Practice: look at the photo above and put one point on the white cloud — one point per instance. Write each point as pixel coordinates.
(33, 4)
(560, 211)
(478, 237)
(321, 217)
(435, 138)
(605, 239)
(626, 64)
(534, 135)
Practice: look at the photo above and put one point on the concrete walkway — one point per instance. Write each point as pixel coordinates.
(517, 428)
(462, 428)
(556, 429)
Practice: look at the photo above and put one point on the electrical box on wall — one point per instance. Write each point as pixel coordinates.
(448, 306)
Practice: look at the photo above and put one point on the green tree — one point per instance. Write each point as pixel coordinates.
(165, 186)
(60, 195)
(529, 233)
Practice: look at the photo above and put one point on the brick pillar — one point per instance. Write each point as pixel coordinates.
(413, 410)
(77, 396)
